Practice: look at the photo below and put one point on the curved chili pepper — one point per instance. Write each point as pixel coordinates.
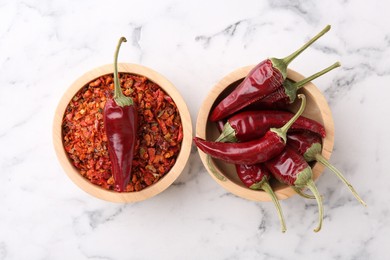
(262, 80)
(310, 146)
(252, 152)
(257, 177)
(286, 94)
(250, 125)
(290, 168)
(120, 123)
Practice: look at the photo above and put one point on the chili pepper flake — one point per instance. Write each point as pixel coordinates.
(160, 131)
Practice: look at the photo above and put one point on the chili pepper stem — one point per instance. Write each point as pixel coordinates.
(303, 194)
(325, 162)
(303, 82)
(290, 89)
(228, 134)
(281, 64)
(267, 188)
(213, 170)
(310, 184)
(283, 130)
(119, 97)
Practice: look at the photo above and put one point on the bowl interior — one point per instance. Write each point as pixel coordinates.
(151, 190)
(316, 109)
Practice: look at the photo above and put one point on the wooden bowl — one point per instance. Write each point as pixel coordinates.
(317, 109)
(95, 190)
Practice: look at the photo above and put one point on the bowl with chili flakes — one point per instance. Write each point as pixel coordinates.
(225, 173)
(163, 141)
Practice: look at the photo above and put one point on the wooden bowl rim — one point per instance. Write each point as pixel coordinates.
(244, 192)
(151, 190)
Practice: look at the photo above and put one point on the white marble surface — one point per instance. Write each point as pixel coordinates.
(46, 45)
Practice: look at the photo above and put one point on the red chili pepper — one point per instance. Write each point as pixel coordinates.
(310, 146)
(252, 152)
(285, 95)
(120, 123)
(250, 125)
(262, 80)
(290, 168)
(257, 177)
(220, 124)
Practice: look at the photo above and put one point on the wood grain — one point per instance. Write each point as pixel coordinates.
(316, 108)
(95, 190)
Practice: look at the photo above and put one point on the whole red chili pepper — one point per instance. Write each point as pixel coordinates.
(262, 80)
(286, 94)
(257, 177)
(310, 146)
(252, 152)
(120, 123)
(250, 125)
(290, 168)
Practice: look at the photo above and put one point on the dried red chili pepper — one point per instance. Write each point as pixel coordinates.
(290, 168)
(286, 94)
(252, 152)
(262, 80)
(250, 125)
(120, 123)
(310, 146)
(257, 177)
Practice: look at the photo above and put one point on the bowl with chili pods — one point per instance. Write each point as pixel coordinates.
(255, 122)
(265, 133)
(122, 132)
(250, 131)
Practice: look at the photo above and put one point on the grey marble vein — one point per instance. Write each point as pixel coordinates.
(229, 31)
(301, 8)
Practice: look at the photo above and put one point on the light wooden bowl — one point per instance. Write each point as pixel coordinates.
(317, 108)
(95, 190)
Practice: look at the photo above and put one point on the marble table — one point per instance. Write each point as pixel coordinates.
(46, 45)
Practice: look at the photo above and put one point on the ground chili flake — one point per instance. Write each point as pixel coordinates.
(160, 131)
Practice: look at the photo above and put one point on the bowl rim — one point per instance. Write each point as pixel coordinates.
(102, 193)
(242, 191)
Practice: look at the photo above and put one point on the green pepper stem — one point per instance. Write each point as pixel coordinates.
(267, 188)
(293, 55)
(117, 91)
(303, 82)
(310, 184)
(282, 132)
(303, 194)
(281, 64)
(213, 170)
(325, 162)
(228, 134)
(119, 97)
